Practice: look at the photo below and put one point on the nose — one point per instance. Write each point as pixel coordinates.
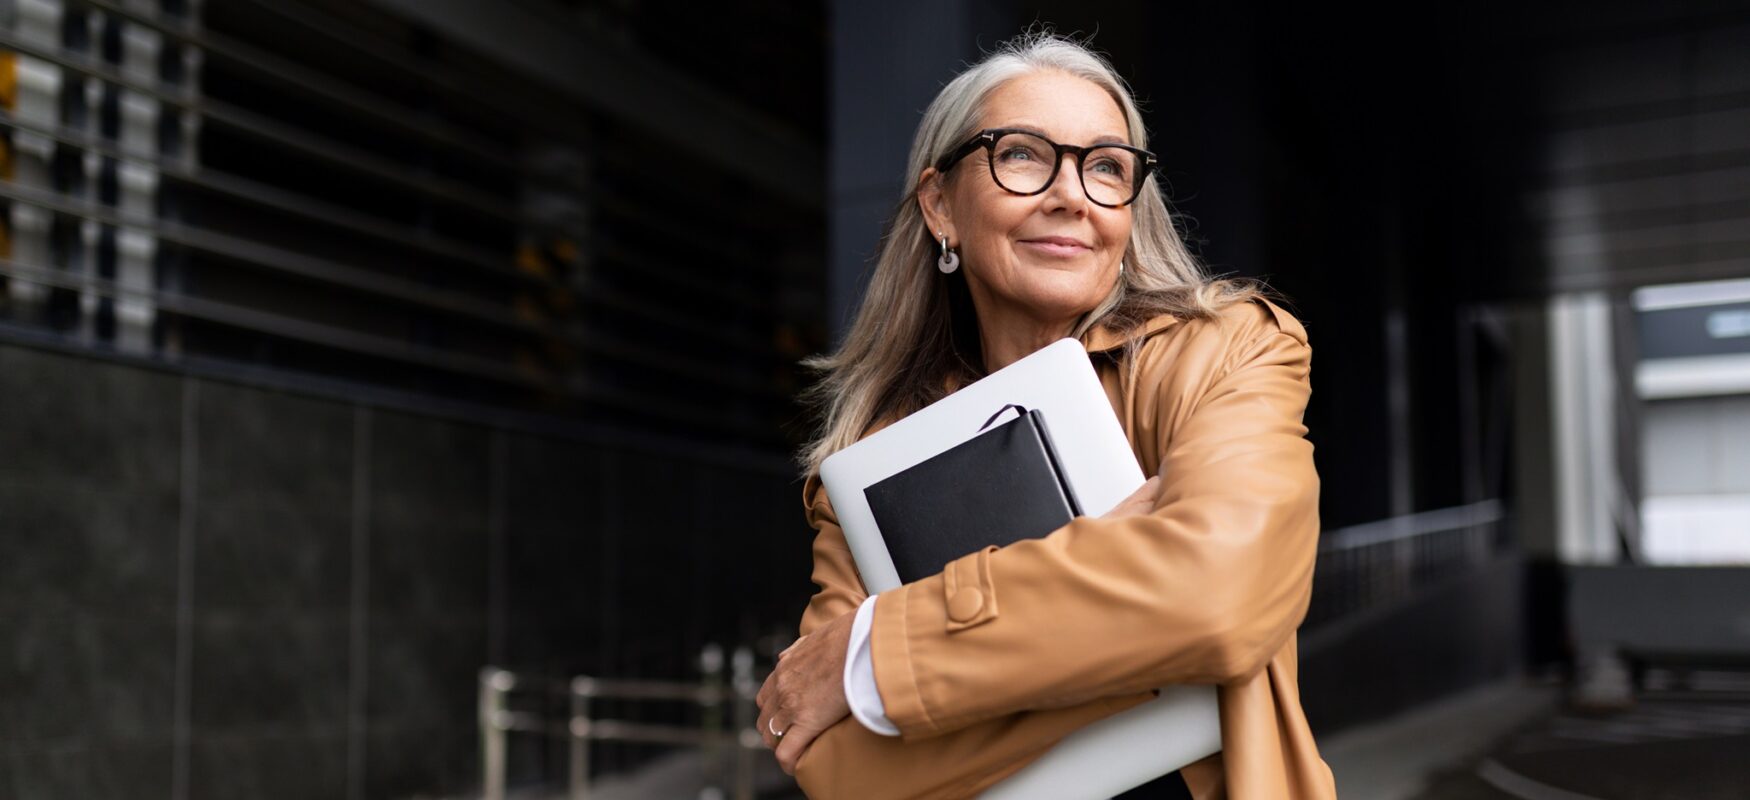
(1066, 189)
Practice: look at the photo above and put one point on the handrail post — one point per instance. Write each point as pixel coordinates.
(494, 683)
(726, 734)
(711, 711)
(742, 665)
(578, 731)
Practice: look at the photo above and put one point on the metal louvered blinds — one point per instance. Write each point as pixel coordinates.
(322, 190)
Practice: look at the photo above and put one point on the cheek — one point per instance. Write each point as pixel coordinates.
(988, 237)
(1116, 235)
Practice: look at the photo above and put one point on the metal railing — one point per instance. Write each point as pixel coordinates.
(726, 726)
(1375, 564)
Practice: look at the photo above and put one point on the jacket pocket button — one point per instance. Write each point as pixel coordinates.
(965, 605)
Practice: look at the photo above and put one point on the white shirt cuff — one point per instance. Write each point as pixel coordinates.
(860, 690)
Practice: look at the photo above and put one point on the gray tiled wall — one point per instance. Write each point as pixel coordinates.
(88, 577)
(210, 590)
(1697, 446)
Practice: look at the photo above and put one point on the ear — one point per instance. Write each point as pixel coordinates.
(933, 202)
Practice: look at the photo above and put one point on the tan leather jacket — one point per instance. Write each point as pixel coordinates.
(986, 665)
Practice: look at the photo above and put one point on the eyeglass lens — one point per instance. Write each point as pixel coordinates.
(1024, 163)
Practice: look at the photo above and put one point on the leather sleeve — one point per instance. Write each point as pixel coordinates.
(850, 761)
(1205, 589)
(835, 571)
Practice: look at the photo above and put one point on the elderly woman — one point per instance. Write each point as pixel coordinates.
(1032, 215)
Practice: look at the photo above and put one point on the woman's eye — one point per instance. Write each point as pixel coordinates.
(1015, 154)
(1107, 166)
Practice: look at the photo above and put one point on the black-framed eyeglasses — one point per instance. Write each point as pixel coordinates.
(1025, 163)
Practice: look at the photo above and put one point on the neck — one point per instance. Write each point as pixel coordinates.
(1007, 339)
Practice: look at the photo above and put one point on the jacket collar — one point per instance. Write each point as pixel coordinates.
(1101, 338)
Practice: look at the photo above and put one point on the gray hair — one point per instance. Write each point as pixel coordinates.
(906, 347)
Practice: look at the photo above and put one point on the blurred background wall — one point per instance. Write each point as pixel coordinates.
(349, 347)
(344, 354)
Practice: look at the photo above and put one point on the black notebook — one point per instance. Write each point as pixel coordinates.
(998, 487)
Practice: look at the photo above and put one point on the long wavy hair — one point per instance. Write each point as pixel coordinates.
(915, 338)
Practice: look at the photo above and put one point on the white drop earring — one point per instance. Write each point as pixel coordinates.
(949, 260)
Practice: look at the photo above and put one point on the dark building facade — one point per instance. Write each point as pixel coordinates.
(347, 348)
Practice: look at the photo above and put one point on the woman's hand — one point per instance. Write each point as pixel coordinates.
(1141, 501)
(805, 694)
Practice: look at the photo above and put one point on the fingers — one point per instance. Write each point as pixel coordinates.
(796, 742)
(769, 722)
(803, 695)
(769, 725)
(764, 697)
(769, 701)
(766, 700)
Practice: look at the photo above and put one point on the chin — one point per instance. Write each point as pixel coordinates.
(1060, 287)
(1063, 302)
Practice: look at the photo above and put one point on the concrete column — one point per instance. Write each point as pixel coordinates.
(1584, 430)
(888, 61)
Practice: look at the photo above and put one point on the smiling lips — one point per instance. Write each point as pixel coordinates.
(1058, 246)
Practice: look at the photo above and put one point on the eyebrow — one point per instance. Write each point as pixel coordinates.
(1104, 139)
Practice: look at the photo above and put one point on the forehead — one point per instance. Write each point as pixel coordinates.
(1064, 107)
